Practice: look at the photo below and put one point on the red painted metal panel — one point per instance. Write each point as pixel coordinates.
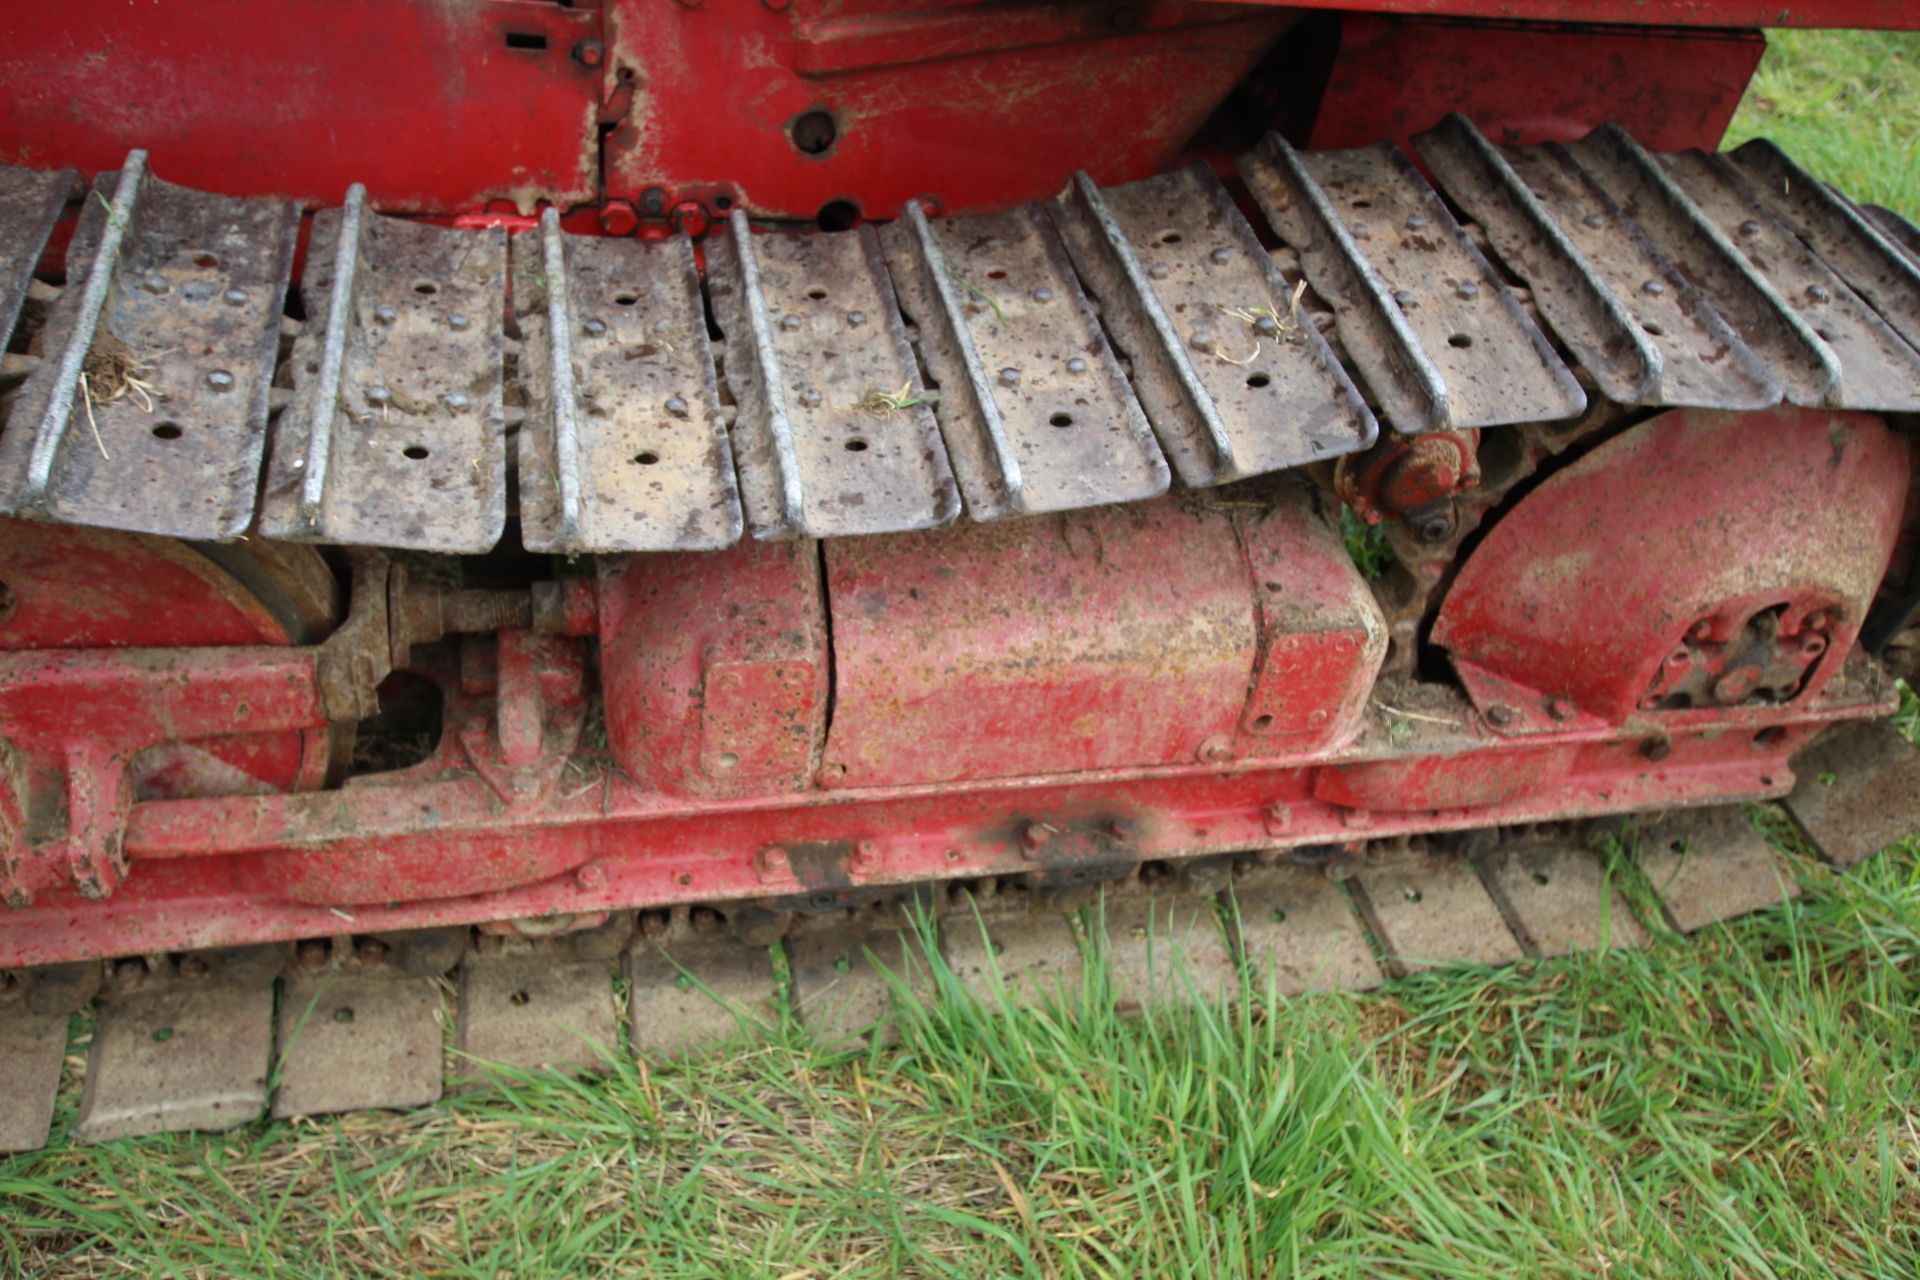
(436, 105)
(977, 107)
(1892, 15)
(1393, 78)
(1118, 636)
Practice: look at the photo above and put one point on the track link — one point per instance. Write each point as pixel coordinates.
(193, 1042)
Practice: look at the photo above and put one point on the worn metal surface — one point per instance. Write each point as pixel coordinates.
(1120, 636)
(632, 382)
(1439, 338)
(1035, 409)
(163, 424)
(534, 1010)
(1432, 911)
(1235, 380)
(401, 388)
(1710, 864)
(1707, 258)
(1858, 791)
(177, 1055)
(690, 992)
(1900, 233)
(1834, 229)
(1877, 368)
(357, 1039)
(834, 435)
(1806, 520)
(30, 204)
(1032, 956)
(1164, 949)
(835, 964)
(1557, 897)
(1296, 929)
(32, 1048)
(1585, 314)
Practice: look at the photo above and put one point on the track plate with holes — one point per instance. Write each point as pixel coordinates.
(30, 204)
(1297, 929)
(1438, 337)
(1557, 897)
(839, 990)
(32, 1047)
(834, 434)
(1877, 369)
(1857, 791)
(413, 447)
(177, 1055)
(688, 993)
(1710, 864)
(165, 425)
(649, 468)
(1431, 912)
(1031, 955)
(1165, 950)
(1236, 380)
(534, 1012)
(355, 1041)
(1035, 409)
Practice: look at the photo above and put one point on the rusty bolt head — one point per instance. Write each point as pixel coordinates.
(653, 201)
(590, 877)
(1559, 709)
(193, 968)
(772, 863)
(1216, 750)
(690, 217)
(867, 857)
(589, 53)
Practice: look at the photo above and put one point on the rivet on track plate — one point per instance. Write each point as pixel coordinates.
(1402, 296)
(220, 380)
(677, 406)
(1416, 222)
(1043, 294)
(1202, 340)
(155, 284)
(385, 315)
(1076, 365)
(456, 401)
(1750, 228)
(1009, 377)
(1468, 289)
(459, 321)
(1221, 257)
(1034, 837)
(595, 328)
(1818, 293)
(790, 322)
(1654, 287)
(1216, 750)
(1595, 220)
(378, 395)
(1158, 271)
(590, 877)
(234, 297)
(856, 318)
(811, 397)
(772, 863)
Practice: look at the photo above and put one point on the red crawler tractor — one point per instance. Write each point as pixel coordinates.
(492, 487)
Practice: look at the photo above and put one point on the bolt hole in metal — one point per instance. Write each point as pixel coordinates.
(531, 40)
(1363, 204)
(996, 274)
(814, 132)
(1170, 237)
(426, 288)
(1262, 723)
(1061, 420)
(817, 294)
(1771, 736)
(205, 260)
(343, 1015)
(856, 445)
(838, 215)
(519, 999)
(167, 431)
(416, 452)
(8, 602)
(1461, 341)
(646, 458)
(625, 299)
(1654, 329)
(1258, 380)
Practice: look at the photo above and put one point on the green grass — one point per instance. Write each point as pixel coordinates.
(1745, 1103)
(1846, 105)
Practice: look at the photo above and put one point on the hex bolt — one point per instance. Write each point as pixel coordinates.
(1654, 287)
(1468, 289)
(234, 297)
(1500, 715)
(677, 406)
(589, 53)
(378, 395)
(384, 314)
(595, 328)
(1076, 365)
(220, 380)
(590, 877)
(1009, 377)
(772, 863)
(460, 322)
(866, 858)
(1043, 294)
(1559, 709)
